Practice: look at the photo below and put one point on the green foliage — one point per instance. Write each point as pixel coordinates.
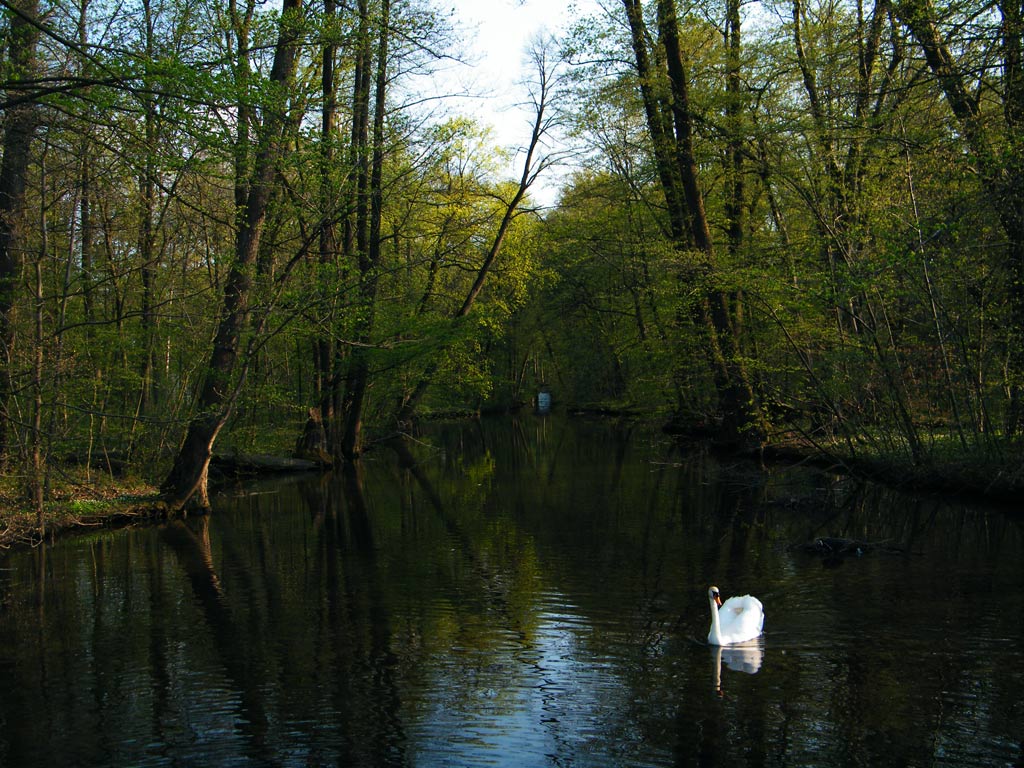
(869, 288)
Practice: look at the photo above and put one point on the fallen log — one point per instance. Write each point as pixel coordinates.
(835, 550)
(254, 464)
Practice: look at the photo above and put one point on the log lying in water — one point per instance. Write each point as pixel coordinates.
(250, 464)
(836, 546)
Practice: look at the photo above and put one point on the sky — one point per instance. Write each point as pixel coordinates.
(498, 32)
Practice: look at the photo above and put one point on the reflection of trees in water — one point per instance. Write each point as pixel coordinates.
(599, 518)
(889, 519)
(356, 661)
(235, 649)
(526, 659)
(506, 522)
(703, 517)
(559, 576)
(304, 651)
(898, 638)
(485, 552)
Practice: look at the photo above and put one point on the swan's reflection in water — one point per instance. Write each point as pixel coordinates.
(744, 657)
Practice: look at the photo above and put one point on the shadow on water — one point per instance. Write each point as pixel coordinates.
(524, 592)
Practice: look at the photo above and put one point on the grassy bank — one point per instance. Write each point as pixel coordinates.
(76, 500)
(996, 474)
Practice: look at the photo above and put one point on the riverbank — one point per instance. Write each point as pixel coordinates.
(959, 478)
(82, 500)
(945, 469)
(78, 501)
(993, 471)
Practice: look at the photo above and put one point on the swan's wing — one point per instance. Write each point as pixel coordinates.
(742, 617)
(755, 608)
(743, 604)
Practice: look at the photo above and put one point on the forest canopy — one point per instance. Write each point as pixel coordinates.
(794, 222)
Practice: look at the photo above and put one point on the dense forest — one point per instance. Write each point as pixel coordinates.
(794, 222)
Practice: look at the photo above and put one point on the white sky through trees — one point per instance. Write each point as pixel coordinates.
(496, 34)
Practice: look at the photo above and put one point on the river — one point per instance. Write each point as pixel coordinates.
(523, 592)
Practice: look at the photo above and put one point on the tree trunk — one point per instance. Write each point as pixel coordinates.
(324, 351)
(147, 235)
(742, 418)
(735, 200)
(368, 222)
(188, 476)
(19, 128)
(1001, 172)
(659, 123)
(1011, 209)
(88, 226)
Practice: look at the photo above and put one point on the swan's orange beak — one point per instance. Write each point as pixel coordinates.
(718, 600)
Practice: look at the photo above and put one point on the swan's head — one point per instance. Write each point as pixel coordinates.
(714, 596)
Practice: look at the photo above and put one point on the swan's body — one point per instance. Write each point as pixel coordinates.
(737, 620)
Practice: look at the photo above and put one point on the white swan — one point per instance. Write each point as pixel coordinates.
(737, 620)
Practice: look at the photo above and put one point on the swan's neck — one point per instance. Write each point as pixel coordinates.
(715, 636)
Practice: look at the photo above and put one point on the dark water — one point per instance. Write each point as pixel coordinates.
(530, 593)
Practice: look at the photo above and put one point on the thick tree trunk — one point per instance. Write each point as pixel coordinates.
(368, 220)
(659, 123)
(19, 128)
(188, 476)
(742, 418)
(323, 346)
